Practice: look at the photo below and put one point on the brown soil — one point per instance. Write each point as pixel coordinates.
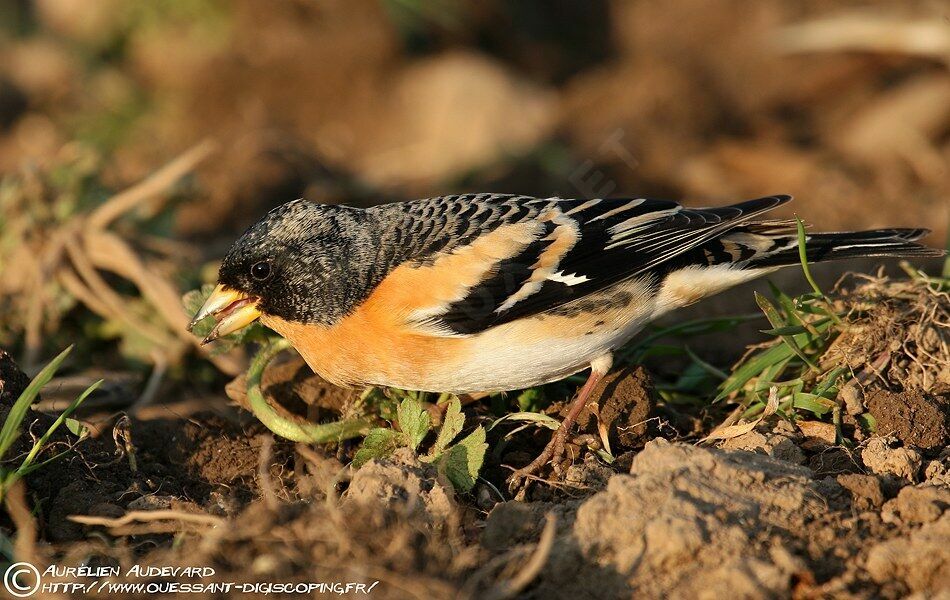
(758, 517)
(916, 418)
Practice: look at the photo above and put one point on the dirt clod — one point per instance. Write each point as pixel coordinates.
(403, 485)
(12, 383)
(12, 380)
(883, 456)
(866, 491)
(626, 401)
(778, 443)
(937, 471)
(852, 396)
(684, 523)
(920, 504)
(916, 418)
(919, 560)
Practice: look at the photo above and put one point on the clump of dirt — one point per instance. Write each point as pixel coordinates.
(866, 491)
(914, 417)
(13, 382)
(918, 504)
(682, 522)
(918, 560)
(403, 486)
(781, 442)
(622, 405)
(886, 456)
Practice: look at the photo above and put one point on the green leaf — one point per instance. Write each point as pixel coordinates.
(193, 302)
(451, 427)
(868, 422)
(413, 421)
(462, 462)
(379, 442)
(76, 428)
(195, 299)
(11, 426)
(531, 399)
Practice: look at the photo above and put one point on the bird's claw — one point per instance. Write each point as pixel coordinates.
(552, 454)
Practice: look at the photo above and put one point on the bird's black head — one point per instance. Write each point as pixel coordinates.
(302, 262)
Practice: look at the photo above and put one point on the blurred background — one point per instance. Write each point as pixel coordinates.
(188, 119)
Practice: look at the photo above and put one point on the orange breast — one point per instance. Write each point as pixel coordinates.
(365, 347)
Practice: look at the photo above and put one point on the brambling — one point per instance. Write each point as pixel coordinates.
(491, 292)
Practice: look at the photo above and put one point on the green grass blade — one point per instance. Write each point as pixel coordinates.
(772, 314)
(812, 403)
(803, 257)
(38, 446)
(708, 368)
(830, 380)
(11, 426)
(752, 368)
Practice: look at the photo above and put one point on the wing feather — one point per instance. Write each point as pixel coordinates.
(575, 248)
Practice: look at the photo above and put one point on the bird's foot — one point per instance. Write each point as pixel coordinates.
(552, 454)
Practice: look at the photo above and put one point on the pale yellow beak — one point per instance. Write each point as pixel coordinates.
(231, 309)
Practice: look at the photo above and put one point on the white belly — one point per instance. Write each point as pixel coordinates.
(540, 350)
(545, 348)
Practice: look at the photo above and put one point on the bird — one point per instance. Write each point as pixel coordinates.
(476, 293)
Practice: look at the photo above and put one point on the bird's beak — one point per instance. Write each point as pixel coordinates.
(231, 309)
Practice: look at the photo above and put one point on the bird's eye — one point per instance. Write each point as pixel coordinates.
(260, 271)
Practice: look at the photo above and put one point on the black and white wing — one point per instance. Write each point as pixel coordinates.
(531, 255)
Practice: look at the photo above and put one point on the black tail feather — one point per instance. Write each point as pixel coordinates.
(896, 243)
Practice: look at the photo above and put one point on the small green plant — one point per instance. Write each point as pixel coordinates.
(12, 426)
(460, 462)
(804, 327)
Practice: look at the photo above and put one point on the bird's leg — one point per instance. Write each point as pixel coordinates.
(555, 448)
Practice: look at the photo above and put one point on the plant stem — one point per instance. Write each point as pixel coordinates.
(295, 430)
